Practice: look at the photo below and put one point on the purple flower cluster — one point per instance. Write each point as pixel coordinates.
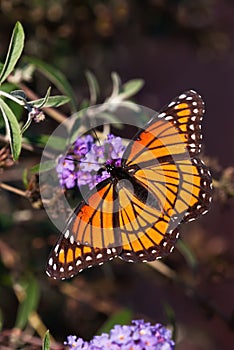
(82, 162)
(138, 336)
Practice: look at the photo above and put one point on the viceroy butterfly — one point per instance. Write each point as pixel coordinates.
(135, 213)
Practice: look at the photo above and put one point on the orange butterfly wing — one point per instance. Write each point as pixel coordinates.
(167, 164)
(137, 218)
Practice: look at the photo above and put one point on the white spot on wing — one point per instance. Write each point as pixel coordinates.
(66, 234)
(193, 137)
(171, 104)
(161, 115)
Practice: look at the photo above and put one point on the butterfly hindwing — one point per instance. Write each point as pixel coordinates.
(153, 243)
(201, 193)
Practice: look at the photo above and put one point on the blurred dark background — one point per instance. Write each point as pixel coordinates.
(173, 46)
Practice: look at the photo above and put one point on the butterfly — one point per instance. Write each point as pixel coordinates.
(135, 213)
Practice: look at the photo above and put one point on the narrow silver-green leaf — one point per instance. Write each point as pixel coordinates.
(56, 77)
(131, 88)
(12, 129)
(42, 167)
(94, 89)
(189, 256)
(14, 51)
(29, 304)
(111, 118)
(45, 99)
(20, 94)
(52, 101)
(25, 177)
(46, 341)
(54, 142)
(15, 107)
(116, 85)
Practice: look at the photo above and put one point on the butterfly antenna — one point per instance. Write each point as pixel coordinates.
(81, 161)
(96, 136)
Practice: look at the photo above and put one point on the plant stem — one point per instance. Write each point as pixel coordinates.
(59, 117)
(13, 189)
(13, 98)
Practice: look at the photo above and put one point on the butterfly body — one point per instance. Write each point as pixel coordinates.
(134, 213)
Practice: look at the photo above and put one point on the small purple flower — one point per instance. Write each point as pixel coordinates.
(89, 162)
(117, 147)
(85, 178)
(76, 343)
(66, 174)
(84, 159)
(138, 336)
(82, 145)
(120, 334)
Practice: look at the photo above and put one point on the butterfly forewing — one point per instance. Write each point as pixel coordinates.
(186, 113)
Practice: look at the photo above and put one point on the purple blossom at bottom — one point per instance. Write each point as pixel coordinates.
(139, 335)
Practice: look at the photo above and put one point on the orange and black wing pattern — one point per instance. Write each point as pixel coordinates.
(164, 158)
(135, 215)
(90, 236)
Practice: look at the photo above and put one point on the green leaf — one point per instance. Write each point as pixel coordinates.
(94, 89)
(54, 142)
(57, 78)
(75, 130)
(187, 253)
(170, 317)
(46, 341)
(15, 107)
(43, 167)
(45, 99)
(14, 51)
(25, 177)
(84, 104)
(20, 94)
(131, 88)
(1, 66)
(29, 303)
(111, 118)
(12, 128)
(52, 101)
(116, 81)
(121, 317)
